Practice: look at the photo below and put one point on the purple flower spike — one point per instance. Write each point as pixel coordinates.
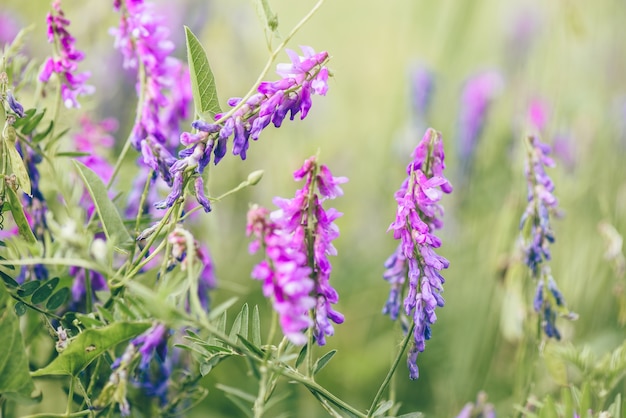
(296, 280)
(303, 77)
(537, 236)
(66, 64)
(15, 105)
(415, 266)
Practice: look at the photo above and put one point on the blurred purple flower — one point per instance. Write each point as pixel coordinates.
(422, 88)
(477, 95)
(98, 282)
(481, 409)
(66, 64)
(95, 139)
(296, 279)
(538, 114)
(9, 27)
(415, 260)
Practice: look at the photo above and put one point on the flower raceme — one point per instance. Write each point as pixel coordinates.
(297, 242)
(414, 267)
(291, 95)
(537, 235)
(65, 65)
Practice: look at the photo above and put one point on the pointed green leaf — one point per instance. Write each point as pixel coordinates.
(301, 355)
(323, 361)
(18, 216)
(112, 224)
(382, 408)
(246, 409)
(549, 408)
(222, 307)
(41, 135)
(256, 326)
(202, 82)
(15, 382)
(244, 320)
(90, 344)
(585, 398)
(568, 402)
(236, 328)
(58, 299)
(236, 392)
(411, 415)
(44, 291)
(32, 123)
(256, 350)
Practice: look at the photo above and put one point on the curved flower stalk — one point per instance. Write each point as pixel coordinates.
(304, 76)
(414, 268)
(537, 236)
(297, 242)
(65, 64)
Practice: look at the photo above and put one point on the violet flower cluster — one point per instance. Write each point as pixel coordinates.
(297, 240)
(66, 64)
(291, 95)
(538, 236)
(415, 267)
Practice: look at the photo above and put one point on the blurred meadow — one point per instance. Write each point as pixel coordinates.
(567, 57)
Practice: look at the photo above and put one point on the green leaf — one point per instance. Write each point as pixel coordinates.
(8, 279)
(322, 361)
(236, 328)
(256, 350)
(411, 415)
(568, 402)
(41, 135)
(15, 382)
(58, 299)
(585, 398)
(549, 408)
(256, 326)
(88, 345)
(236, 392)
(244, 320)
(72, 154)
(109, 216)
(301, 355)
(243, 407)
(382, 408)
(32, 123)
(202, 82)
(18, 216)
(556, 365)
(44, 291)
(29, 288)
(9, 266)
(20, 308)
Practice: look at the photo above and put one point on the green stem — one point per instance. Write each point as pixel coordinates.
(391, 372)
(82, 413)
(70, 398)
(142, 201)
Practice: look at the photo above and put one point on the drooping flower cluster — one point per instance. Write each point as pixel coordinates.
(537, 235)
(291, 95)
(66, 64)
(297, 240)
(414, 264)
(478, 93)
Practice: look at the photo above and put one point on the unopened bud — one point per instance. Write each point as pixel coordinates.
(255, 177)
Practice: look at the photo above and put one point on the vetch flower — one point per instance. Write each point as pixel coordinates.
(413, 271)
(297, 240)
(66, 64)
(537, 236)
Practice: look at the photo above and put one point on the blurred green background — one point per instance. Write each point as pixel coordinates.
(569, 53)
